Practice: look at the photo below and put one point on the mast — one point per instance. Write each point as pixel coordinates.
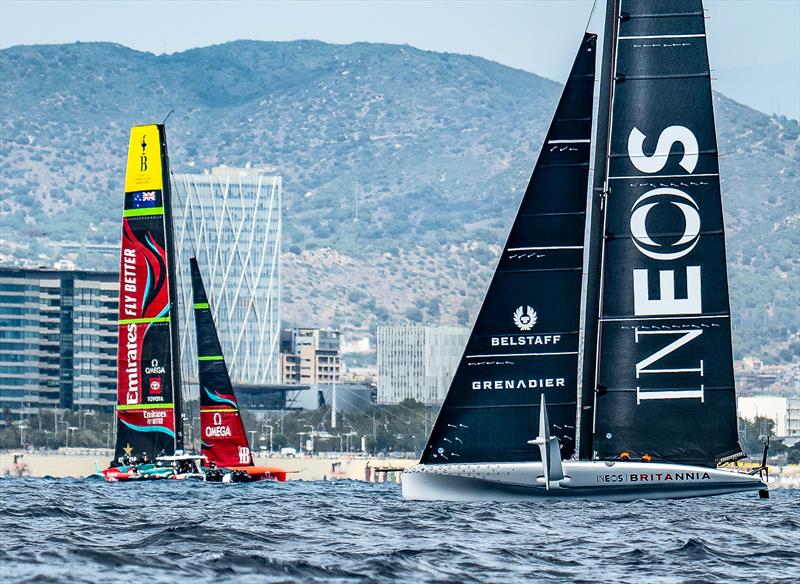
(524, 343)
(664, 365)
(173, 292)
(594, 239)
(222, 435)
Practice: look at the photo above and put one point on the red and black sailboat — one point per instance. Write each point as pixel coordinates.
(222, 436)
(149, 421)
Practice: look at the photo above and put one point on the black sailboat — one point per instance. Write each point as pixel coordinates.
(223, 441)
(222, 437)
(655, 412)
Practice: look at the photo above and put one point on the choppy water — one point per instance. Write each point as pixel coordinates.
(72, 530)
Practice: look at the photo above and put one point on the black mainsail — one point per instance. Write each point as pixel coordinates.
(664, 385)
(148, 365)
(525, 339)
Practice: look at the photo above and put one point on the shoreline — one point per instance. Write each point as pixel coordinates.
(82, 464)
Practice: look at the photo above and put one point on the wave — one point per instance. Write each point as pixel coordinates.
(347, 531)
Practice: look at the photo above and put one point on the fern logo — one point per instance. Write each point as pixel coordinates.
(525, 318)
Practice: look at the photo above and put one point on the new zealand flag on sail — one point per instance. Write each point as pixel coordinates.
(143, 199)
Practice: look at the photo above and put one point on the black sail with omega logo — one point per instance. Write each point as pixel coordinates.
(525, 338)
(665, 374)
(222, 437)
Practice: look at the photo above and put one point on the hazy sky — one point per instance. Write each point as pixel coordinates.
(754, 44)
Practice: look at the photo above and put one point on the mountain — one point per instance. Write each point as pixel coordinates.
(402, 169)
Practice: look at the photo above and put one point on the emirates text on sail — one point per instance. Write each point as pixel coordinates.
(132, 345)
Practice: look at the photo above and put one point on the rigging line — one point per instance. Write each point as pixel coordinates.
(404, 407)
(589, 21)
(388, 412)
(381, 409)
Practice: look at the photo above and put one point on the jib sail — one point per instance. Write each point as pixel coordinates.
(222, 437)
(525, 338)
(665, 375)
(148, 383)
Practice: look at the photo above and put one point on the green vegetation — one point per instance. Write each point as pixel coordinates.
(397, 428)
(403, 427)
(408, 164)
(755, 433)
(53, 430)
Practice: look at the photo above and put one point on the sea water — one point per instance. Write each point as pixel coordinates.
(69, 530)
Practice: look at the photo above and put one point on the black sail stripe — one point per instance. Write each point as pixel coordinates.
(518, 346)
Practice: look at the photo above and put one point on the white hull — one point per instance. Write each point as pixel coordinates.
(613, 481)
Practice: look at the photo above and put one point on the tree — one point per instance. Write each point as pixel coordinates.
(754, 433)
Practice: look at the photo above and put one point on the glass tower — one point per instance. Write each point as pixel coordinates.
(230, 220)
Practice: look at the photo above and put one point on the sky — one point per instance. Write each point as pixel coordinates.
(754, 45)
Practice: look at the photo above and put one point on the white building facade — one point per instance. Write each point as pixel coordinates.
(230, 220)
(793, 416)
(418, 362)
(783, 411)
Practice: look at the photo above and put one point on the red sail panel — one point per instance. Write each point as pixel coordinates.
(223, 439)
(222, 435)
(145, 404)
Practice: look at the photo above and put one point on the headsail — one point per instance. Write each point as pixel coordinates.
(665, 380)
(525, 339)
(222, 437)
(148, 386)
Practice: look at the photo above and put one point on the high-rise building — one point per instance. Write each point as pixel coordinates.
(230, 220)
(418, 362)
(58, 340)
(793, 416)
(310, 356)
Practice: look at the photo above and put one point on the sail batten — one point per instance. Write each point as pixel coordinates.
(518, 348)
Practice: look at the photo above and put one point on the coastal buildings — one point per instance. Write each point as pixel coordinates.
(793, 416)
(58, 340)
(230, 220)
(417, 362)
(783, 411)
(310, 356)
